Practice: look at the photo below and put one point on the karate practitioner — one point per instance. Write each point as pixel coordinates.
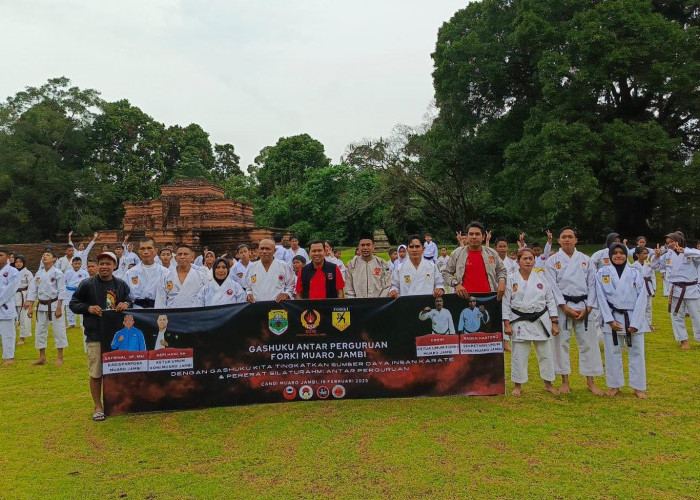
(73, 278)
(9, 282)
(281, 253)
(240, 268)
(430, 250)
(640, 257)
(208, 266)
(64, 263)
(82, 251)
(269, 278)
(402, 252)
(441, 318)
(442, 260)
(295, 249)
(49, 288)
(367, 275)
(393, 257)
(122, 262)
(179, 287)
(622, 301)
(223, 289)
(502, 250)
(416, 276)
(330, 256)
(572, 278)
(602, 257)
(166, 258)
(144, 278)
(530, 316)
(199, 261)
(684, 297)
(25, 278)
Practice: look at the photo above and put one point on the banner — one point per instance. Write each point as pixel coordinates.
(301, 350)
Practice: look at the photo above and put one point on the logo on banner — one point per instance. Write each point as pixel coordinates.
(310, 319)
(278, 321)
(169, 286)
(606, 279)
(289, 392)
(306, 392)
(323, 392)
(338, 391)
(135, 280)
(341, 318)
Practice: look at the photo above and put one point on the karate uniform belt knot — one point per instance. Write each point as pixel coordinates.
(46, 303)
(628, 335)
(531, 317)
(576, 299)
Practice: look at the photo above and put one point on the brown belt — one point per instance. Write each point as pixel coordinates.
(647, 283)
(683, 285)
(46, 303)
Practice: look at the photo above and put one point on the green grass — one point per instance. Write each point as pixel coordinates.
(575, 446)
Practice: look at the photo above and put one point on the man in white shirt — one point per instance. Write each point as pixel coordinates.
(179, 287)
(416, 276)
(144, 278)
(269, 278)
(441, 318)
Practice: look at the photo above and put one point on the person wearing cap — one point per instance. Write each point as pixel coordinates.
(367, 275)
(49, 288)
(25, 278)
(684, 297)
(144, 278)
(571, 275)
(95, 295)
(9, 282)
(319, 279)
(622, 301)
(179, 287)
(222, 289)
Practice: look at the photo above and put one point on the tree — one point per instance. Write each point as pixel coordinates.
(226, 162)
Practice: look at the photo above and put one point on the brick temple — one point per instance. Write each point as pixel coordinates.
(195, 212)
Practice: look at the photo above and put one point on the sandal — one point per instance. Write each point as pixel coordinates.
(98, 416)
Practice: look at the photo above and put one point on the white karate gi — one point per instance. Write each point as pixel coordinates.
(284, 255)
(9, 282)
(144, 281)
(542, 259)
(627, 293)
(84, 254)
(430, 251)
(122, 267)
(441, 320)
(511, 265)
(171, 294)
(63, 264)
(680, 268)
(25, 322)
(238, 272)
(530, 296)
(73, 279)
(199, 260)
(213, 294)
(49, 285)
(409, 280)
(267, 285)
(367, 279)
(302, 252)
(649, 277)
(338, 263)
(574, 277)
(441, 262)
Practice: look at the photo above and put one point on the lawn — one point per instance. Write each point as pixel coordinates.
(573, 446)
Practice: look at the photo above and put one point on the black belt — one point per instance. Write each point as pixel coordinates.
(628, 335)
(683, 285)
(145, 303)
(576, 299)
(531, 317)
(647, 284)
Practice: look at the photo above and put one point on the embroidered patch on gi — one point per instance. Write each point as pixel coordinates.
(5, 274)
(38, 280)
(280, 277)
(668, 262)
(169, 286)
(427, 276)
(53, 279)
(515, 287)
(606, 279)
(606, 262)
(407, 279)
(558, 266)
(377, 271)
(584, 264)
(540, 286)
(240, 276)
(229, 292)
(135, 280)
(254, 278)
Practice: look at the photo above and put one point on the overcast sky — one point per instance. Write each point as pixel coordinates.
(249, 72)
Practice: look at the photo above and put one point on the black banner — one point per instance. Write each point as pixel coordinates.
(174, 359)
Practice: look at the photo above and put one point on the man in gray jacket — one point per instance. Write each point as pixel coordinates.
(475, 268)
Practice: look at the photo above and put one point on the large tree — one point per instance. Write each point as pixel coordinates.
(573, 109)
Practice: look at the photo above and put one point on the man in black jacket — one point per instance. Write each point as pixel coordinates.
(319, 279)
(94, 295)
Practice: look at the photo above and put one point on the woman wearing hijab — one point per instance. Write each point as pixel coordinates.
(403, 255)
(25, 277)
(622, 302)
(222, 289)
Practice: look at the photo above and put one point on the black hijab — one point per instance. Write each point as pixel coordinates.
(213, 269)
(618, 267)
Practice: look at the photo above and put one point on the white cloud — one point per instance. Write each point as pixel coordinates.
(247, 72)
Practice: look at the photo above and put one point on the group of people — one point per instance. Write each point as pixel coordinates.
(546, 296)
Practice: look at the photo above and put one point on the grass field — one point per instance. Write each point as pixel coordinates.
(538, 446)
